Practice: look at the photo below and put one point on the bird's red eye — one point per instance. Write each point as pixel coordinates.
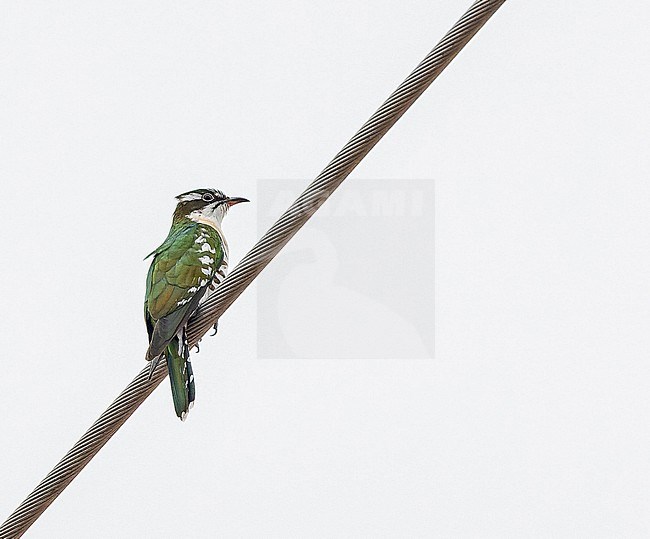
(208, 197)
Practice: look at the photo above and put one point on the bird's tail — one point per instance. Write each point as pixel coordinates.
(180, 376)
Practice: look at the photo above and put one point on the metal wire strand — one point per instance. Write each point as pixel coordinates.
(254, 262)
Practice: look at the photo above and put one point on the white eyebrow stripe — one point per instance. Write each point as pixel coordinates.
(190, 196)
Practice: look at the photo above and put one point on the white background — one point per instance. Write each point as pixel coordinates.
(393, 242)
(531, 419)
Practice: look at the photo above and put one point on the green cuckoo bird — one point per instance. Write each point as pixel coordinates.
(184, 271)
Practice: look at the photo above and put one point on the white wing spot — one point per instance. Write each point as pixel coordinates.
(206, 247)
(204, 282)
(207, 271)
(192, 289)
(205, 259)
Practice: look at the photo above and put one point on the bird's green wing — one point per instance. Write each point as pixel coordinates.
(177, 279)
(147, 317)
(169, 241)
(174, 233)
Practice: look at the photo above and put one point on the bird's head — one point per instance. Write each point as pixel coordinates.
(205, 205)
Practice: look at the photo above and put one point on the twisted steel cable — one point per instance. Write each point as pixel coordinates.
(254, 262)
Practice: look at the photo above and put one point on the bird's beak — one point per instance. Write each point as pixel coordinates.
(236, 200)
